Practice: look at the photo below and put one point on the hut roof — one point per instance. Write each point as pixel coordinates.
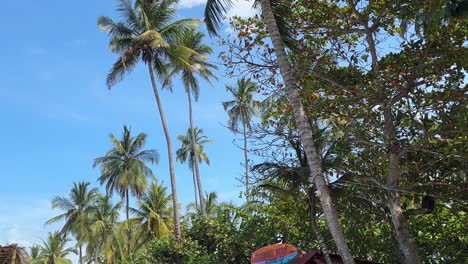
(13, 254)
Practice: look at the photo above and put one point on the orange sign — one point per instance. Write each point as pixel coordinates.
(274, 254)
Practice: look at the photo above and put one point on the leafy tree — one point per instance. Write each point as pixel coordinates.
(54, 250)
(281, 35)
(167, 251)
(124, 169)
(77, 209)
(380, 101)
(186, 153)
(147, 34)
(241, 110)
(197, 65)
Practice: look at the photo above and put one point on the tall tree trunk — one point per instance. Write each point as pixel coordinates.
(127, 209)
(246, 162)
(195, 187)
(292, 92)
(406, 244)
(175, 197)
(195, 155)
(81, 254)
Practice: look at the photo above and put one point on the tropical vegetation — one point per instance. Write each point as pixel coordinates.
(348, 111)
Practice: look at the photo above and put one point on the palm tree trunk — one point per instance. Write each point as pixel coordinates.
(127, 209)
(292, 92)
(81, 254)
(195, 187)
(175, 198)
(246, 161)
(195, 154)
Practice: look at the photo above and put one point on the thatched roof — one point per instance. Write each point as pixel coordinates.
(13, 254)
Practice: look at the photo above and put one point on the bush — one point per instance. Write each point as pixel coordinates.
(168, 251)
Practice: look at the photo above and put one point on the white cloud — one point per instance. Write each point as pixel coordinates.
(190, 3)
(242, 8)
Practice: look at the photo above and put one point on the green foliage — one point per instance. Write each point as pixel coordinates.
(77, 211)
(124, 168)
(145, 33)
(377, 82)
(184, 153)
(106, 240)
(243, 107)
(53, 250)
(168, 251)
(153, 215)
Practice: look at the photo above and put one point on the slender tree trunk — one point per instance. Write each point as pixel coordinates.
(175, 198)
(315, 228)
(127, 209)
(195, 187)
(195, 155)
(81, 254)
(246, 161)
(406, 244)
(292, 92)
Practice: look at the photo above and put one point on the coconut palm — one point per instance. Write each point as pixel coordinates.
(146, 34)
(198, 65)
(76, 214)
(280, 36)
(211, 203)
(35, 255)
(54, 250)
(106, 238)
(240, 111)
(124, 169)
(186, 153)
(153, 215)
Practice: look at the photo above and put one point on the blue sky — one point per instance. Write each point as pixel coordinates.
(57, 112)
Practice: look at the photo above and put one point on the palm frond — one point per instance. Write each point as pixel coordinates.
(114, 29)
(124, 64)
(215, 11)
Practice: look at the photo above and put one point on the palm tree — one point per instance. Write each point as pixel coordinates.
(124, 169)
(211, 203)
(185, 152)
(146, 34)
(35, 255)
(241, 110)
(197, 65)
(105, 232)
(213, 207)
(76, 212)
(153, 215)
(214, 13)
(54, 250)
